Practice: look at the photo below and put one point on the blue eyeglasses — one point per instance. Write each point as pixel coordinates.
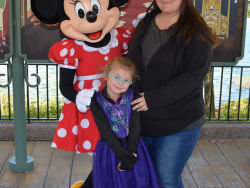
(117, 78)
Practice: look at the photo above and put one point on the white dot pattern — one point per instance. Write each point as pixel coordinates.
(66, 61)
(53, 145)
(65, 43)
(76, 65)
(67, 101)
(128, 31)
(76, 147)
(126, 36)
(106, 58)
(62, 132)
(75, 130)
(85, 123)
(61, 117)
(125, 46)
(81, 84)
(72, 51)
(96, 83)
(87, 145)
(63, 52)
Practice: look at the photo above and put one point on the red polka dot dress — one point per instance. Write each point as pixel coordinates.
(77, 131)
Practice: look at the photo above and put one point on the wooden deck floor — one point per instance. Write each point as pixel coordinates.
(215, 165)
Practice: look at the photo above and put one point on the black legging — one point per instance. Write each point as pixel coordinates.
(88, 182)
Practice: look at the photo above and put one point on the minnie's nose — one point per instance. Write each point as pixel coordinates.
(91, 16)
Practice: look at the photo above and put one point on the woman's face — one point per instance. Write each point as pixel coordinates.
(169, 6)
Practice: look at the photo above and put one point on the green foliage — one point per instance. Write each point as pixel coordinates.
(36, 110)
(248, 12)
(233, 112)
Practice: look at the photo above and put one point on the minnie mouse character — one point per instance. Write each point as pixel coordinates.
(91, 42)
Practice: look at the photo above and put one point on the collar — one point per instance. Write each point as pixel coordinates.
(112, 101)
(103, 50)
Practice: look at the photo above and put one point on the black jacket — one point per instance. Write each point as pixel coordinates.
(172, 82)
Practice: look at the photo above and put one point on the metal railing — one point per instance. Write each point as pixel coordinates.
(227, 98)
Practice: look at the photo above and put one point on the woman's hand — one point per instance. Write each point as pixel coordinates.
(141, 103)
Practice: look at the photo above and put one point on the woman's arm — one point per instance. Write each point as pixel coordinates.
(66, 83)
(127, 158)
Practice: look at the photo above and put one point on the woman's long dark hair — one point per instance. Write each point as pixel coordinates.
(189, 22)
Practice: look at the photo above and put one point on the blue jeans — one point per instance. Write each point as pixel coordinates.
(171, 153)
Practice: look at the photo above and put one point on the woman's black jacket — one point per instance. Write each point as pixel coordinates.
(172, 82)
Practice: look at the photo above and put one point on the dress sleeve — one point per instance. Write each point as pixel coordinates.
(134, 130)
(125, 35)
(64, 54)
(126, 157)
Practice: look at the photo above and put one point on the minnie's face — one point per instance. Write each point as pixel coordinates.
(90, 20)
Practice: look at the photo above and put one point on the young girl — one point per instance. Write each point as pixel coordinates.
(121, 159)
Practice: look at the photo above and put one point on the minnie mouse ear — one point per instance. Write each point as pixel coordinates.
(121, 2)
(47, 11)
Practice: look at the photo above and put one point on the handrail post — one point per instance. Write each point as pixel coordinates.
(22, 162)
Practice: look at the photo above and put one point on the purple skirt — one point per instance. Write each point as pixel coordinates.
(106, 175)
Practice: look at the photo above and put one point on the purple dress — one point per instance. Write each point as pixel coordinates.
(117, 116)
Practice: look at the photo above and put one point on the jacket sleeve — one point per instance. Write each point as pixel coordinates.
(66, 83)
(134, 131)
(126, 157)
(197, 58)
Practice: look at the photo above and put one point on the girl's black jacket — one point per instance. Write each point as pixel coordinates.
(172, 82)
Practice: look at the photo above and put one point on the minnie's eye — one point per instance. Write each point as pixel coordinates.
(96, 7)
(80, 10)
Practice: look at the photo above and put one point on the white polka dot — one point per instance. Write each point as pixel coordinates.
(65, 43)
(81, 84)
(85, 123)
(87, 145)
(75, 130)
(96, 83)
(52, 60)
(78, 152)
(128, 31)
(61, 132)
(126, 36)
(64, 39)
(53, 145)
(106, 58)
(66, 61)
(67, 101)
(125, 46)
(72, 51)
(76, 147)
(63, 52)
(61, 117)
(76, 65)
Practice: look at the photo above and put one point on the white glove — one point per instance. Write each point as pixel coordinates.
(83, 99)
(139, 18)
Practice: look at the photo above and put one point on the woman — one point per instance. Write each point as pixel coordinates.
(172, 47)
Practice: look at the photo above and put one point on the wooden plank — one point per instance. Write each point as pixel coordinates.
(245, 148)
(5, 149)
(60, 169)
(237, 159)
(8, 178)
(82, 166)
(41, 154)
(187, 179)
(224, 171)
(201, 171)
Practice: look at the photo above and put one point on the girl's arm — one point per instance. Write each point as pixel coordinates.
(66, 84)
(127, 158)
(134, 130)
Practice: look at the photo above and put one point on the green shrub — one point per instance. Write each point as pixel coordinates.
(33, 107)
(233, 112)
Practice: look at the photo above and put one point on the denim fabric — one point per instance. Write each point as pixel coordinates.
(171, 153)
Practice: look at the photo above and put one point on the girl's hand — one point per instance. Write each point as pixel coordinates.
(118, 167)
(134, 154)
(141, 103)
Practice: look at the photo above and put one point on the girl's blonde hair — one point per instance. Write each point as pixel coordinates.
(126, 63)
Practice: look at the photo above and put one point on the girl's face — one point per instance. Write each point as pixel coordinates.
(89, 20)
(169, 7)
(114, 89)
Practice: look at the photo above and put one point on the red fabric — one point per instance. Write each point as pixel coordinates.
(77, 131)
